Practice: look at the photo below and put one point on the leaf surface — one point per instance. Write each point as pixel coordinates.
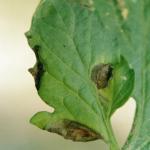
(132, 20)
(70, 38)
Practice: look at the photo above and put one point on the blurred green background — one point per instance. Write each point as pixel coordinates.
(18, 97)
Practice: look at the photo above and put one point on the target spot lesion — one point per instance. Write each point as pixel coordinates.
(74, 131)
(101, 75)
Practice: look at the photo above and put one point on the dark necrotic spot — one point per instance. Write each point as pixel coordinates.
(38, 70)
(79, 132)
(101, 74)
(74, 131)
(36, 49)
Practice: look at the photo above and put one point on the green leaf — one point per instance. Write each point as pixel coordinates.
(119, 88)
(62, 69)
(131, 20)
(137, 29)
(73, 39)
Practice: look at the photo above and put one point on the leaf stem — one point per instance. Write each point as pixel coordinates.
(113, 145)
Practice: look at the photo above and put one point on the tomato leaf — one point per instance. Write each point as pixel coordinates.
(90, 55)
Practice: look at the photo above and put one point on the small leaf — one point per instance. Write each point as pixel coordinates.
(119, 88)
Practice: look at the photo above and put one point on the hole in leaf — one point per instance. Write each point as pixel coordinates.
(122, 120)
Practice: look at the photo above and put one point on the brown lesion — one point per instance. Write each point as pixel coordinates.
(122, 7)
(101, 75)
(75, 131)
(38, 69)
